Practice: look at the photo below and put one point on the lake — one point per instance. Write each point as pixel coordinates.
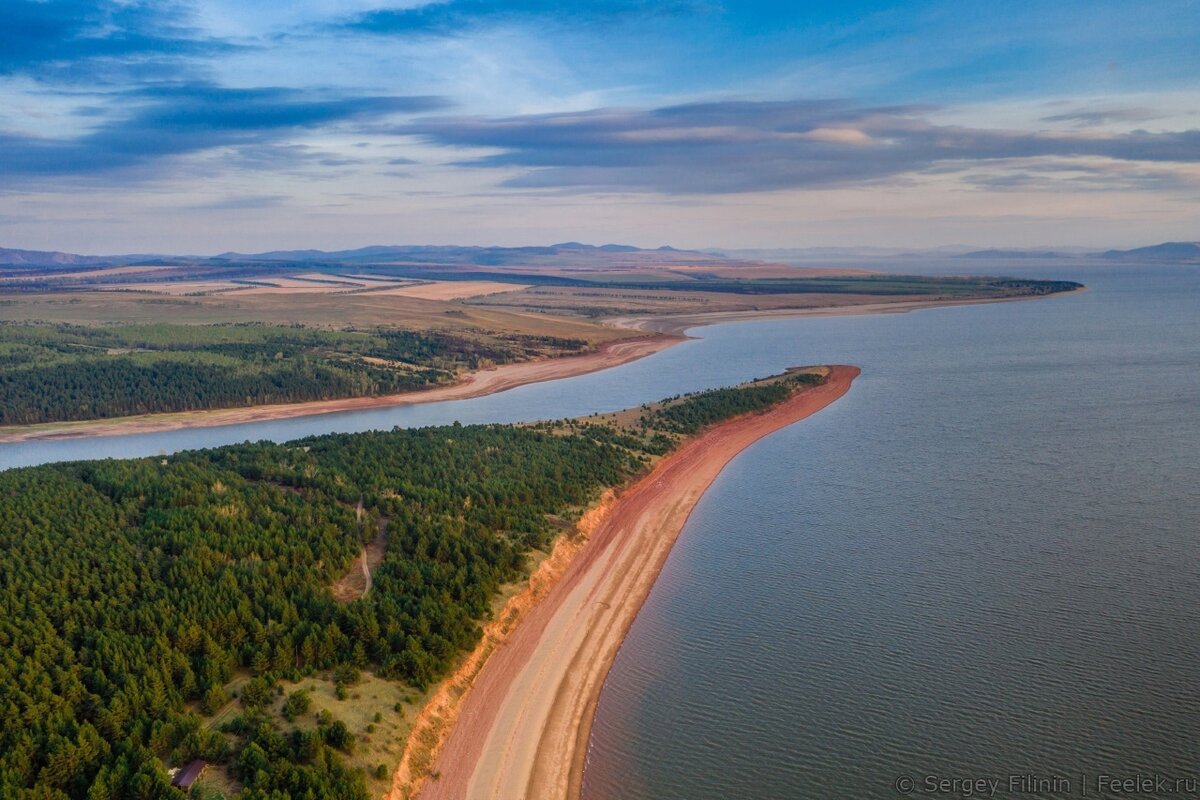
(981, 562)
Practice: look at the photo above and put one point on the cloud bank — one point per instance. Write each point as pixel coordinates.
(172, 120)
(743, 146)
(680, 118)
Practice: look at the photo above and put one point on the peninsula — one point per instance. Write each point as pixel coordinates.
(289, 613)
(521, 727)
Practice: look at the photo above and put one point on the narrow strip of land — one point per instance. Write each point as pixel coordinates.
(473, 384)
(676, 324)
(522, 729)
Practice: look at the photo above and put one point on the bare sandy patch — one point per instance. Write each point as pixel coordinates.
(301, 289)
(102, 272)
(292, 284)
(377, 279)
(324, 277)
(177, 288)
(296, 284)
(452, 290)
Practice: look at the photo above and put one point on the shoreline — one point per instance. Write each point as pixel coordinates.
(473, 384)
(658, 333)
(523, 718)
(679, 324)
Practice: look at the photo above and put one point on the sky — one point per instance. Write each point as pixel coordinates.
(200, 127)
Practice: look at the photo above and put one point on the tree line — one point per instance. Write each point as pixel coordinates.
(61, 372)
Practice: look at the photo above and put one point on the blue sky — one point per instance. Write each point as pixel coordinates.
(208, 126)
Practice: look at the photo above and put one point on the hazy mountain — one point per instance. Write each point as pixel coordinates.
(566, 252)
(807, 254)
(1179, 252)
(607, 248)
(569, 254)
(47, 258)
(998, 253)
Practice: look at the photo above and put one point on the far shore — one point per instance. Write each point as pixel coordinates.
(473, 384)
(660, 332)
(521, 729)
(678, 324)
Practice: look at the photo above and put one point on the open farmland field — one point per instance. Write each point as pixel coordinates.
(105, 272)
(326, 310)
(451, 290)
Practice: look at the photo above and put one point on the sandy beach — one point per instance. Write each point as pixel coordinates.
(473, 384)
(522, 728)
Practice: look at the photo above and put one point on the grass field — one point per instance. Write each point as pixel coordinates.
(364, 309)
(378, 712)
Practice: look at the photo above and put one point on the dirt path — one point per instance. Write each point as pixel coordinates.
(522, 729)
(372, 555)
(356, 583)
(366, 574)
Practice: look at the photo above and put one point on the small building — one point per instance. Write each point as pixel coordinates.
(186, 777)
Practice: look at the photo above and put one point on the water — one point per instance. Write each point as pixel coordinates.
(724, 355)
(981, 561)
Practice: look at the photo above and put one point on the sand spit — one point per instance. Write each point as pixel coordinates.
(474, 384)
(676, 324)
(521, 729)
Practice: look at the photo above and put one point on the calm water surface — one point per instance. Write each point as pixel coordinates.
(985, 560)
(981, 561)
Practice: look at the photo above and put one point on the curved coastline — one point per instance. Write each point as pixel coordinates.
(473, 384)
(521, 729)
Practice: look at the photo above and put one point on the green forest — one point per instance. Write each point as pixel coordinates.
(61, 372)
(133, 591)
(696, 411)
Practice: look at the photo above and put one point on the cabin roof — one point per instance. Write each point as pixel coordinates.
(188, 775)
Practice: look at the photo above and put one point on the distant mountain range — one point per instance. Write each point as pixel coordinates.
(1036, 254)
(45, 258)
(441, 254)
(1166, 253)
(815, 254)
(1169, 252)
(570, 252)
(807, 255)
(1179, 252)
